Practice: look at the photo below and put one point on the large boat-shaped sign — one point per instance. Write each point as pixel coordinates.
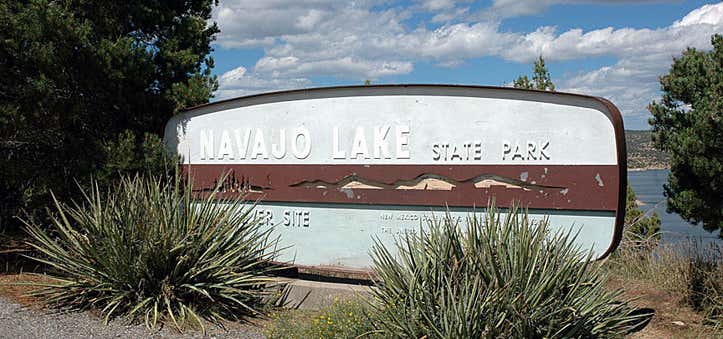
(335, 168)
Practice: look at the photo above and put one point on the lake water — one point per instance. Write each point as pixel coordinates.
(648, 186)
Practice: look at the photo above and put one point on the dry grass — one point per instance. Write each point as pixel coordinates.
(665, 266)
(669, 309)
(682, 282)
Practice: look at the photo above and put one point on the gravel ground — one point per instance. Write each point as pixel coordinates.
(17, 321)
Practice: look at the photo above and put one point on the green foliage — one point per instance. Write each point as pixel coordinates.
(150, 252)
(688, 123)
(522, 82)
(350, 318)
(639, 227)
(541, 79)
(496, 278)
(76, 74)
(128, 156)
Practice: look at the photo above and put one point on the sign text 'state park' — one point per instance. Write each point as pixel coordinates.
(335, 168)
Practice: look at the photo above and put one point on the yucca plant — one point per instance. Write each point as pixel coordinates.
(155, 252)
(499, 276)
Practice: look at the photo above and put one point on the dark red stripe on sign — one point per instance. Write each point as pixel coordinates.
(568, 187)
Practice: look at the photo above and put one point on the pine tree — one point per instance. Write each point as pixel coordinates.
(79, 75)
(688, 124)
(541, 79)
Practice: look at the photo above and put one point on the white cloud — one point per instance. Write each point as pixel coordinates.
(318, 38)
(507, 8)
(344, 67)
(445, 10)
(248, 23)
(708, 14)
(237, 82)
(436, 5)
(627, 85)
(360, 40)
(450, 15)
(644, 55)
(511, 8)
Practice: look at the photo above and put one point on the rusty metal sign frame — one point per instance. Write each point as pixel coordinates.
(290, 180)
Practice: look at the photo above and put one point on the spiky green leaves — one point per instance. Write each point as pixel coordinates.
(502, 276)
(153, 253)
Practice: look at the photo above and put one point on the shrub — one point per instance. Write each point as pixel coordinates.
(692, 271)
(641, 229)
(149, 251)
(498, 277)
(705, 283)
(349, 318)
(129, 155)
(664, 265)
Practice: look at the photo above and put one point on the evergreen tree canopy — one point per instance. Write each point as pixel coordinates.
(541, 79)
(79, 75)
(688, 123)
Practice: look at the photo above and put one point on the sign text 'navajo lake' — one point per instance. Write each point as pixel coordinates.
(337, 167)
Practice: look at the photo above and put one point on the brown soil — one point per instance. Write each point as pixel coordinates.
(18, 287)
(668, 307)
(13, 255)
(672, 319)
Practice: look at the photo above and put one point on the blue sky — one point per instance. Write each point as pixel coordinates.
(615, 49)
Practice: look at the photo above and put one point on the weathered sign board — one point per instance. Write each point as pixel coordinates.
(337, 167)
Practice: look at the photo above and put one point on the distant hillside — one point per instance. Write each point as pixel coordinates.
(642, 154)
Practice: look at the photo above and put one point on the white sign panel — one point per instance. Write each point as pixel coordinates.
(337, 167)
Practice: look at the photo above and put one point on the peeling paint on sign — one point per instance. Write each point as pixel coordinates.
(335, 168)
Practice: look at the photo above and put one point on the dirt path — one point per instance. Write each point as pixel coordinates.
(671, 320)
(20, 317)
